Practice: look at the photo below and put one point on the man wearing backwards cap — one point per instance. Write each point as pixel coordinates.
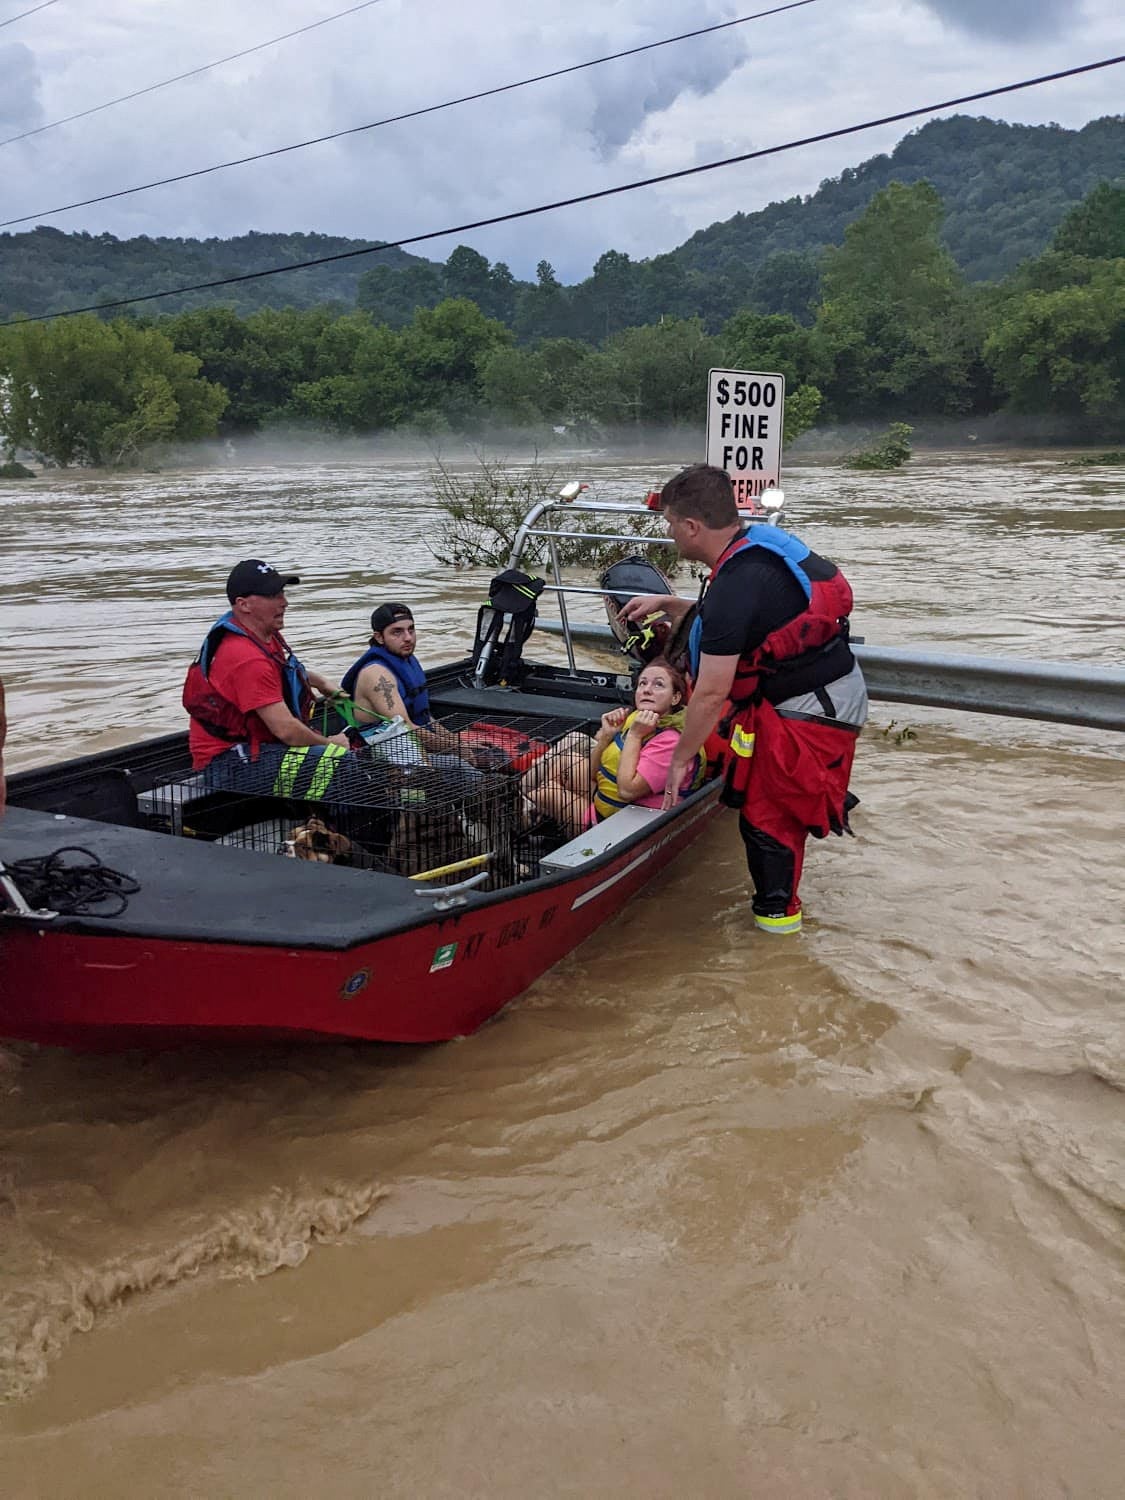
(247, 689)
(388, 680)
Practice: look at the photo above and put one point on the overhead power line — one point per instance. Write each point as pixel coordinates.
(543, 208)
(30, 12)
(413, 114)
(191, 73)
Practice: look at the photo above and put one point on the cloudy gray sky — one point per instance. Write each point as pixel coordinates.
(829, 64)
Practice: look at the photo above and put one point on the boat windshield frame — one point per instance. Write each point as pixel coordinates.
(529, 527)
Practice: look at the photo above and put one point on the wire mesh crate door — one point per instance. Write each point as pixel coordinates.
(407, 815)
(449, 817)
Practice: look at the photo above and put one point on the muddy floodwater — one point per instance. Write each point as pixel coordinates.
(705, 1213)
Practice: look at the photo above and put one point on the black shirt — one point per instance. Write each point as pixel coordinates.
(753, 594)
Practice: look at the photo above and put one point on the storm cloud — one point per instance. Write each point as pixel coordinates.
(1012, 19)
(626, 93)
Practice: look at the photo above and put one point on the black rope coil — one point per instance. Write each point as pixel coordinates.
(73, 889)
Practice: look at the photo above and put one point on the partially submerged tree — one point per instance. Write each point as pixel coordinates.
(483, 509)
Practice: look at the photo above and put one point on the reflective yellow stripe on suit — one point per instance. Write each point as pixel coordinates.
(741, 742)
(289, 769)
(327, 762)
(779, 924)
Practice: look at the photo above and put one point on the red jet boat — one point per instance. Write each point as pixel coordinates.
(394, 941)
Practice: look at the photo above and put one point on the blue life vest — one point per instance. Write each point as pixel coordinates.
(408, 674)
(783, 544)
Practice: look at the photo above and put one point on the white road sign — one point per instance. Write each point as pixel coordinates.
(745, 417)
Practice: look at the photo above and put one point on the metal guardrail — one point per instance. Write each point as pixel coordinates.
(1006, 685)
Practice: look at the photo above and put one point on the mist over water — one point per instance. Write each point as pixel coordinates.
(702, 1213)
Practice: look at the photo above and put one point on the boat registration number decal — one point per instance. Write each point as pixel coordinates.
(443, 957)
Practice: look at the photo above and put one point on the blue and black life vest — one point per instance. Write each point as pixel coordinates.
(807, 652)
(408, 674)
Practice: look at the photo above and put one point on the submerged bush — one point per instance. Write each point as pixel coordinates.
(1096, 460)
(483, 511)
(891, 452)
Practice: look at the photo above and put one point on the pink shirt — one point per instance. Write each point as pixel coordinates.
(653, 765)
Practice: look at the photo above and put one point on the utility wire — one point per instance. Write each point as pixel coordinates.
(543, 208)
(413, 114)
(30, 12)
(179, 78)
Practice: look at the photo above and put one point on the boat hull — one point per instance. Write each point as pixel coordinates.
(429, 983)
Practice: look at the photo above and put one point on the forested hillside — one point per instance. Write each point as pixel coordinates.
(1005, 189)
(46, 270)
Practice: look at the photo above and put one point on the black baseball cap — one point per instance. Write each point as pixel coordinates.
(252, 576)
(387, 614)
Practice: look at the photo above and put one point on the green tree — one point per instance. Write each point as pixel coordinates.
(544, 384)
(363, 384)
(609, 300)
(500, 301)
(895, 330)
(82, 391)
(512, 384)
(788, 282)
(1096, 227)
(391, 294)
(542, 310)
(777, 343)
(1065, 350)
(653, 375)
(258, 360)
(443, 351)
(468, 274)
(771, 342)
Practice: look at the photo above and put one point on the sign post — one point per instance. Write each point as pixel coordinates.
(745, 418)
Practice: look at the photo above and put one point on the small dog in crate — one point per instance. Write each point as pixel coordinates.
(320, 843)
(315, 841)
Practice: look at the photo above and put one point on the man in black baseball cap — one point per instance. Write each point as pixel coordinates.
(246, 689)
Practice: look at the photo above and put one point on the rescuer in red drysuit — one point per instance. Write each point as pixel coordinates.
(770, 658)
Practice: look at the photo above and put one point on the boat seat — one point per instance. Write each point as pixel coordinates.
(594, 841)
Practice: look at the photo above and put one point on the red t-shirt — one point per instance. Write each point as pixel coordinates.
(244, 675)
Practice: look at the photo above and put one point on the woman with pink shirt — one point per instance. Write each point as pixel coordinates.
(626, 763)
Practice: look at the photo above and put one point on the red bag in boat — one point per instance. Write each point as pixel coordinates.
(499, 747)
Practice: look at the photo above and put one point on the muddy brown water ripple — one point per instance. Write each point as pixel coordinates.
(702, 1214)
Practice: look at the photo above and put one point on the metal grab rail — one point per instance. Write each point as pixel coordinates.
(568, 499)
(529, 526)
(1007, 685)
